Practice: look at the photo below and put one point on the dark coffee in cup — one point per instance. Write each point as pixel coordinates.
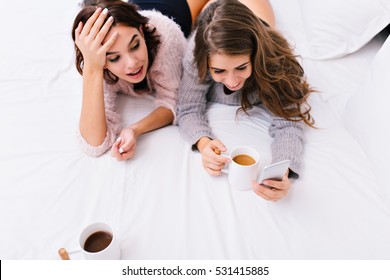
(243, 159)
(97, 241)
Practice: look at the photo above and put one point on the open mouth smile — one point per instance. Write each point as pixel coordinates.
(136, 72)
(234, 86)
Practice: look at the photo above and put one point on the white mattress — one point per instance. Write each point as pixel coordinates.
(162, 204)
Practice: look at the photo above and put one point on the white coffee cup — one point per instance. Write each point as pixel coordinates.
(98, 242)
(240, 175)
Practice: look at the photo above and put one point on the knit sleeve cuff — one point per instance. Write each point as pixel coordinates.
(96, 151)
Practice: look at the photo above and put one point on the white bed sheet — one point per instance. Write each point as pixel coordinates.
(162, 204)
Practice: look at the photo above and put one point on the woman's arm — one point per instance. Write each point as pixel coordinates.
(158, 118)
(287, 142)
(92, 125)
(191, 108)
(89, 39)
(125, 146)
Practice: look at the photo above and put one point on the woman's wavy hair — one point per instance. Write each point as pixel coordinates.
(124, 14)
(231, 28)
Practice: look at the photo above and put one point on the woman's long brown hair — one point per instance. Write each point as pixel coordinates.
(231, 28)
(123, 13)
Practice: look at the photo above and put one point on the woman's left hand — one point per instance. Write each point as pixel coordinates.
(272, 190)
(124, 146)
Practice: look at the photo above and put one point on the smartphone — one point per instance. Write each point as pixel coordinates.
(274, 171)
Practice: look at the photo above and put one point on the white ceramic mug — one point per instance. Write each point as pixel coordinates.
(97, 241)
(240, 176)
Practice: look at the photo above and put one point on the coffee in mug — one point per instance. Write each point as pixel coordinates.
(243, 168)
(244, 159)
(97, 241)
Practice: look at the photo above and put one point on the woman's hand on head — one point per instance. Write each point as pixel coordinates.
(212, 161)
(272, 190)
(89, 39)
(124, 146)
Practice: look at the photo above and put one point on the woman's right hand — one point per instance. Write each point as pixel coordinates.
(212, 161)
(89, 39)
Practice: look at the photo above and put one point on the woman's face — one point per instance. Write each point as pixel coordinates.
(231, 70)
(128, 57)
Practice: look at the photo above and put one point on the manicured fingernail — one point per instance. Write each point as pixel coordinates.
(120, 150)
(119, 139)
(105, 11)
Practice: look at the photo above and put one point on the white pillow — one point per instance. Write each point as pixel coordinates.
(289, 23)
(367, 113)
(335, 28)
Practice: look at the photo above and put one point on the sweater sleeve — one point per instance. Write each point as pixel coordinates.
(166, 70)
(287, 142)
(192, 100)
(112, 120)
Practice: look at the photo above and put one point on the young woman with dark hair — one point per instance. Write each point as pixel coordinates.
(120, 49)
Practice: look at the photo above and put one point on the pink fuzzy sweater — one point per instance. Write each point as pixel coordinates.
(163, 79)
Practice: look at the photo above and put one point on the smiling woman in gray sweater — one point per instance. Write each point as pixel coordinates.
(236, 59)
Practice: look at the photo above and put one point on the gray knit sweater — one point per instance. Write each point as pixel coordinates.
(193, 124)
